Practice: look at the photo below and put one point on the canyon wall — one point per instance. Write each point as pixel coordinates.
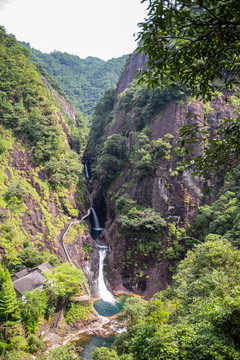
(157, 182)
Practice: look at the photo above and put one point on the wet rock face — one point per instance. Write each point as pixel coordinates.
(175, 195)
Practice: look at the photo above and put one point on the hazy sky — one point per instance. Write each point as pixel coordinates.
(102, 28)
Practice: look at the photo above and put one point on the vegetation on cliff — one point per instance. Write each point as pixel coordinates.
(124, 163)
(151, 201)
(83, 80)
(196, 44)
(198, 318)
(41, 187)
(37, 165)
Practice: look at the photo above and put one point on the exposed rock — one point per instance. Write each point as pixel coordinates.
(175, 195)
(68, 109)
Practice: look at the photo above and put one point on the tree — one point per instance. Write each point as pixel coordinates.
(103, 353)
(66, 280)
(193, 43)
(196, 44)
(8, 299)
(60, 353)
(32, 308)
(112, 159)
(199, 318)
(30, 256)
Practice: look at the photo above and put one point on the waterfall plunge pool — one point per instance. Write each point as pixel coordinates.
(89, 343)
(108, 309)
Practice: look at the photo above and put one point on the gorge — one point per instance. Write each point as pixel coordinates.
(119, 204)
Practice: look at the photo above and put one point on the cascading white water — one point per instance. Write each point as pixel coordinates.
(86, 171)
(105, 295)
(96, 225)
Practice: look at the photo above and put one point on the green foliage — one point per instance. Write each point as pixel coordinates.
(112, 159)
(222, 217)
(17, 342)
(35, 344)
(64, 172)
(148, 154)
(28, 109)
(124, 204)
(60, 353)
(30, 256)
(143, 227)
(104, 353)
(53, 260)
(74, 231)
(75, 312)
(134, 310)
(145, 102)
(99, 120)
(66, 279)
(195, 44)
(32, 308)
(8, 299)
(221, 148)
(10, 240)
(3, 347)
(142, 220)
(210, 270)
(191, 43)
(83, 80)
(199, 318)
(16, 355)
(16, 193)
(87, 249)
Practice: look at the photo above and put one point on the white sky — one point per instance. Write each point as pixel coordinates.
(102, 28)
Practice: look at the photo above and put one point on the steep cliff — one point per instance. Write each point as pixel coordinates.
(41, 181)
(83, 80)
(135, 165)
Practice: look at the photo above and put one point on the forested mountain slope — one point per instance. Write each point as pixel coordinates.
(41, 136)
(83, 80)
(136, 167)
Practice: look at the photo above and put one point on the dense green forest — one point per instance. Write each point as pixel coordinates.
(83, 80)
(41, 188)
(198, 316)
(149, 178)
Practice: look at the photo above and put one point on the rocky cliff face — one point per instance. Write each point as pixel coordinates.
(154, 182)
(41, 182)
(45, 212)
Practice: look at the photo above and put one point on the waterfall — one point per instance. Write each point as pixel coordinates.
(96, 225)
(105, 295)
(86, 171)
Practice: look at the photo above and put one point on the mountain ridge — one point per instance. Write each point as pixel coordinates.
(83, 80)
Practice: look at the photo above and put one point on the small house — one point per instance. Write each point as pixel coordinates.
(30, 279)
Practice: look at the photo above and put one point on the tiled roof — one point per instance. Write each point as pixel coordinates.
(44, 267)
(29, 282)
(21, 273)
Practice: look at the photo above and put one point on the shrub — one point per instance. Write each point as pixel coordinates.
(16, 355)
(112, 159)
(16, 193)
(77, 312)
(53, 260)
(31, 256)
(3, 347)
(144, 220)
(35, 344)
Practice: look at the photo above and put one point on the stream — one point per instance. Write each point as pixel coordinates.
(107, 305)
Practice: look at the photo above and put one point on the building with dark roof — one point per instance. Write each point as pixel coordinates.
(30, 279)
(19, 274)
(34, 280)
